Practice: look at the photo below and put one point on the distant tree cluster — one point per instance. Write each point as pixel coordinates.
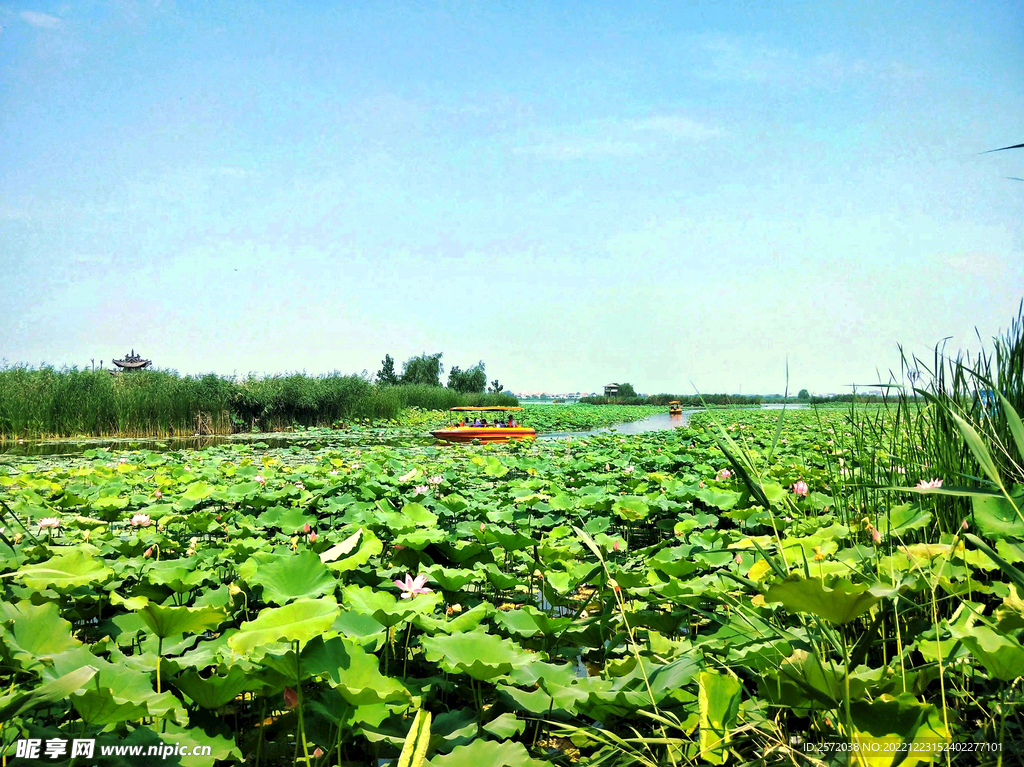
(426, 369)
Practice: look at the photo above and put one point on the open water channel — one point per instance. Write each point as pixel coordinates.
(316, 439)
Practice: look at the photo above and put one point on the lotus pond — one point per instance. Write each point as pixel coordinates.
(727, 592)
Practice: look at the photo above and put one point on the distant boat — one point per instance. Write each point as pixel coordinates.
(674, 408)
(455, 432)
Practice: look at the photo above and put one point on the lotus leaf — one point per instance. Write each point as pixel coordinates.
(298, 621)
(480, 655)
(481, 752)
(385, 608)
(286, 576)
(837, 600)
(66, 571)
(719, 707)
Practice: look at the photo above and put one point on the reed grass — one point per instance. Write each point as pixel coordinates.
(47, 402)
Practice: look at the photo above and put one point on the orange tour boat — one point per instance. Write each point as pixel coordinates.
(674, 408)
(470, 423)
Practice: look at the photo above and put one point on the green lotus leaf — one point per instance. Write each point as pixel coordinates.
(718, 498)
(900, 725)
(466, 621)
(631, 508)
(719, 696)
(67, 571)
(837, 600)
(171, 621)
(384, 608)
(351, 671)
(53, 691)
(486, 752)
(1000, 653)
(297, 621)
(996, 517)
(452, 579)
(480, 655)
(369, 548)
(216, 691)
(495, 468)
(37, 633)
(285, 577)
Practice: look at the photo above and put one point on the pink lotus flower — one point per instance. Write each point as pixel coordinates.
(701, 483)
(420, 490)
(407, 477)
(313, 536)
(141, 520)
(318, 752)
(724, 474)
(49, 523)
(122, 460)
(935, 483)
(739, 559)
(398, 547)
(259, 478)
(876, 536)
(615, 545)
(158, 494)
(291, 698)
(482, 527)
(963, 525)
(148, 552)
(411, 588)
(800, 488)
(300, 486)
(306, 528)
(436, 480)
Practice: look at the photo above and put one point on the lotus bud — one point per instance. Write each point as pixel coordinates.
(318, 752)
(148, 553)
(876, 537)
(313, 536)
(305, 528)
(291, 698)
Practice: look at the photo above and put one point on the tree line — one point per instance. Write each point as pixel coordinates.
(426, 370)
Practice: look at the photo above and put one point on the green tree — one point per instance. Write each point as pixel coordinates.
(472, 381)
(804, 394)
(386, 376)
(626, 390)
(425, 369)
(496, 388)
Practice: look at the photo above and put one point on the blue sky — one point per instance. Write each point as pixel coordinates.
(672, 194)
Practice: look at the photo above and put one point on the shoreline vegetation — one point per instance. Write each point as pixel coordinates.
(42, 403)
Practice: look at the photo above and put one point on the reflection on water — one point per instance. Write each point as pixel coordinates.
(656, 422)
(316, 440)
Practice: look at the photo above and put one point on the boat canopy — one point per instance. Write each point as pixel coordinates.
(674, 402)
(491, 407)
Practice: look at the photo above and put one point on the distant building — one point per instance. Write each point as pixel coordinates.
(610, 390)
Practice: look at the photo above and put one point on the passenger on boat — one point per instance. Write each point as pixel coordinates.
(483, 423)
(512, 422)
(476, 423)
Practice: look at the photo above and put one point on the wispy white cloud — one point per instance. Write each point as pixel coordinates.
(617, 137)
(674, 126)
(37, 19)
(739, 60)
(572, 149)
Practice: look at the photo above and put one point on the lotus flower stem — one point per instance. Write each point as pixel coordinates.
(302, 721)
